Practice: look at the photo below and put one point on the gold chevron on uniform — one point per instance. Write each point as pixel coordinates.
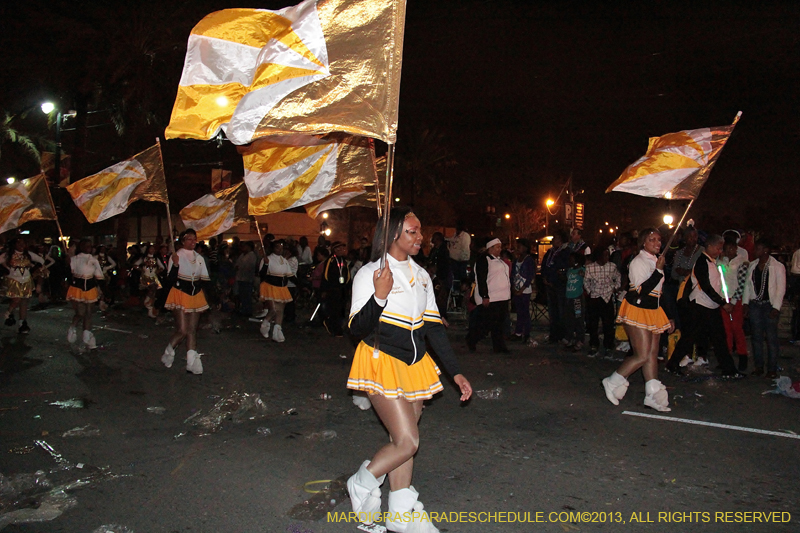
(676, 165)
(24, 201)
(283, 172)
(317, 67)
(216, 213)
(112, 190)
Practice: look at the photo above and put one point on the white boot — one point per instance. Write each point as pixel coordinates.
(656, 396)
(89, 340)
(616, 386)
(277, 333)
(265, 327)
(365, 493)
(169, 356)
(193, 363)
(72, 335)
(407, 514)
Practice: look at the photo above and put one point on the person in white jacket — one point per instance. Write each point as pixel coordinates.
(394, 311)
(188, 273)
(18, 284)
(764, 289)
(84, 291)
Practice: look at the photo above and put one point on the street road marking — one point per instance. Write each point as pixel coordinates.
(712, 424)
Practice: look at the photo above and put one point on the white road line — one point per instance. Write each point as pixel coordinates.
(712, 424)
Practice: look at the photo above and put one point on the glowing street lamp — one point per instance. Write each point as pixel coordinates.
(508, 216)
(549, 202)
(325, 215)
(11, 180)
(668, 219)
(47, 108)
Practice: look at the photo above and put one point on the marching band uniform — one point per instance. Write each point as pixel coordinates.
(641, 308)
(275, 274)
(150, 266)
(19, 282)
(400, 366)
(190, 275)
(86, 273)
(408, 316)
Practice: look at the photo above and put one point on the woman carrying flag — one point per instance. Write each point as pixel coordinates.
(188, 272)
(394, 312)
(84, 292)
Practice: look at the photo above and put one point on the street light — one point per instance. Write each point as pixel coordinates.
(47, 108)
(508, 216)
(668, 219)
(325, 215)
(11, 180)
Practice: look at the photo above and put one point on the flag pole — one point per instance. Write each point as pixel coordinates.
(169, 215)
(680, 223)
(58, 224)
(677, 226)
(388, 195)
(261, 240)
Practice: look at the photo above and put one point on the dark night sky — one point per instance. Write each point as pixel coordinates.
(527, 92)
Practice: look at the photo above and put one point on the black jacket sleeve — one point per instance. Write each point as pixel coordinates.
(481, 272)
(651, 282)
(701, 273)
(366, 320)
(437, 337)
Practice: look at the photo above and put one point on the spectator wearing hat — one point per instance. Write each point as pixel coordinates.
(493, 293)
(335, 280)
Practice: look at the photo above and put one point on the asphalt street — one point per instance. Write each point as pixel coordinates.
(139, 458)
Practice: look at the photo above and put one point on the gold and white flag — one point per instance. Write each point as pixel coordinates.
(112, 190)
(317, 67)
(676, 165)
(293, 171)
(216, 213)
(24, 201)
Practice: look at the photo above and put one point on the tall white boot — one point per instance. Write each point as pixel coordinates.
(407, 514)
(656, 396)
(277, 333)
(169, 356)
(193, 363)
(264, 328)
(89, 340)
(365, 493)
(615, 386)
(72, 335)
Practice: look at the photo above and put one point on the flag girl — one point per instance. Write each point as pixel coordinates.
(396, 306)
(188, 273)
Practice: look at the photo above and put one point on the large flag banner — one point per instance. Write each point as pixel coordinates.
(676, 165)
(111, 191)
(317, 67)
(216, 213)
(292, 171)
(24, 201)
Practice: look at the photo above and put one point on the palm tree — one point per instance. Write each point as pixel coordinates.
(422, 159)
(11, 135)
